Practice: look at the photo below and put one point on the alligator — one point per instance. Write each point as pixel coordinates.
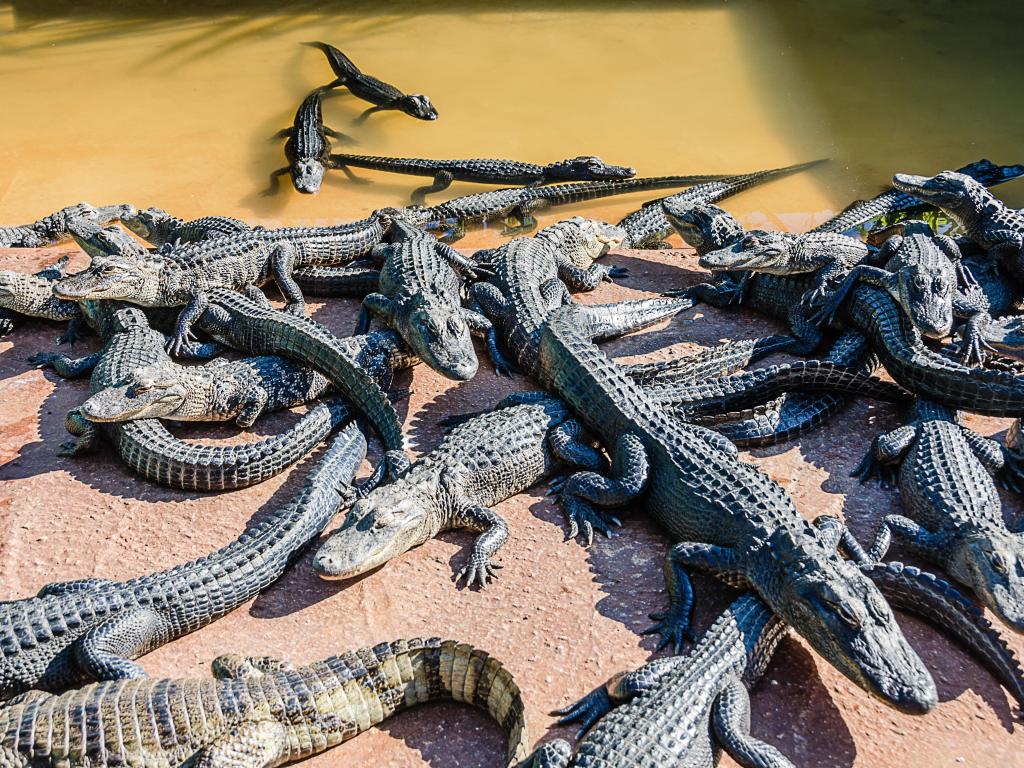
(729, 518)
(308, 149)
(419, 296)
(157, 227)
(984, 219)
(516, 205)
(53, 229)
(256, 711)
(382, 95)
(944, 472)
(93, 629)
(32, 296)
(478, 464)
(893, 203)
(183, 276)
(685, 710)
(649, 227)
(486, 171)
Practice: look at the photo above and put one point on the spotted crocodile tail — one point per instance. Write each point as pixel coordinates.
(936, 601)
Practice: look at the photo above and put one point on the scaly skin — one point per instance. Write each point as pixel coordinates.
(486, 171)
(419, 296)
(478, 464)
(54, 228)
(308, 150)
(146, 446)
(256, 712)
(649, 227)
(954, 516)
(729, 517)
(684, 711)
(157, 227)
(32, 296)
(184, 275)
(368, 88)
(92, 629)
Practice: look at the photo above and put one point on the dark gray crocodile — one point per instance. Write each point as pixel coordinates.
(944, 473)
(368, 88)
(684, 711)
(485, 171)
(478, 464)
(32, 296)
(308, 149)
(419, 296)
(256, 711)
(184, 275)
(92, 629)
(729, 518)
(52, 229)
(649, 226)
(157, 227)
(893, 202)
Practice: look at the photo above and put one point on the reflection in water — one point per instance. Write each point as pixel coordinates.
(114, 101)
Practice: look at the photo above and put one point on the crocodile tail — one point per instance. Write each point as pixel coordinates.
(610, 321)
(446, 669)
(341, 64)
(938, 602)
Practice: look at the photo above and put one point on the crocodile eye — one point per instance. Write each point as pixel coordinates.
(940, 286)
(998, 563)
(773, 252)
(920, 283)
(454, 326)
(845, 613)
(751, 241)
(433, 329)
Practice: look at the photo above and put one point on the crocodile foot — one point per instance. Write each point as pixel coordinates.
(585, 519)
(616, 273)
(674, 627)
(479, 570)
(586, 711)
(870, 467)
(72, 448)
(6, 325)
(44, 359)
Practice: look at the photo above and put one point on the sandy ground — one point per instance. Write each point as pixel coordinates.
(563, 618)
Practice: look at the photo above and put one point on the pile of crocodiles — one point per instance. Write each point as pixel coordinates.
(874, 288)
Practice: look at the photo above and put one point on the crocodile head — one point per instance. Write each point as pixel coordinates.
(149, 393)
(417, 105)
(583, 240)
(307, 175)
(151, 224)
(703, 226)
(391, 520)
(587, 167)
(104, 241)
(993, 563)
(842, 614)
(110, 277)
(758, 250)
(439, 335)
(953, 192)
(925, 279)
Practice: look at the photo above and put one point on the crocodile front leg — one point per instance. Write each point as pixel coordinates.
(183, 343)
(928, 544)
(282, 264)
(72, 333)
(275, 181)
(730, 719)
(64, 366)
(374, 304)
(971, 304)
(256, 400)
(479, 325)
(106, 651)
(580, 280)
(885, 455)
(493, 537)
(519, 221)
(442, 180)
(862, 273)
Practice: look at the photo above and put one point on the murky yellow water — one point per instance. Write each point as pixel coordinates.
(112, 101)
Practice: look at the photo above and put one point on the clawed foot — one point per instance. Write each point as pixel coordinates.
(615, 273)
(674, 627)
(68, 337)
(6, 326)
(295, 308)
(870, 467)
(585, 519)
(557, 485)
(586, 711)
(70, 448)
(44, 359)
(479, 570)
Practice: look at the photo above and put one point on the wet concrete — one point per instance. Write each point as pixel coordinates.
(563, 618)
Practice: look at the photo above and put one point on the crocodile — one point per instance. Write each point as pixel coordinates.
(649, 227)
(183, 276)
(984, 219)
(685, 710)
(485, 170)
(478, 464)
(517, 204)
(32, 296)
(93, 629)
(308, 149)
(419, 296)
(382, 95)
(944, 472)
(146, 446)
(728, 517)
(53, 229)
(892, 203)
(157, 227)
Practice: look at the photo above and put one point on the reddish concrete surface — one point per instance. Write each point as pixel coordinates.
(563, 618)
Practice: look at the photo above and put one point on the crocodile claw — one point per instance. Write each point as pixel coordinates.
(584, 519)
(616, 273)
(6, 326)
(43, 359)
(674, 628)
(557, 484)
(479, 570)
(586, 711)
(69, 448)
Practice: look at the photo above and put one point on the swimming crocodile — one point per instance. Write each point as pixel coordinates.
(52, 229)
(684, 711)
(368, 88)
(944, 473)
(485, 171)
(183, 276)
(308, 149)
(478, 464)
(728, 517)
(93, 629)
(419, 296)
(256, 711)
(157, 227)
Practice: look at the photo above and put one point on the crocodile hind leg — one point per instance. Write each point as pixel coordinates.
(442, 180)
(77, 425)
(233, 666)
(373, 304)
(106, 651)
(629, 475)
(479, 325)
(282, 262)
(252, 744)
(494, 534)
(730, 719)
